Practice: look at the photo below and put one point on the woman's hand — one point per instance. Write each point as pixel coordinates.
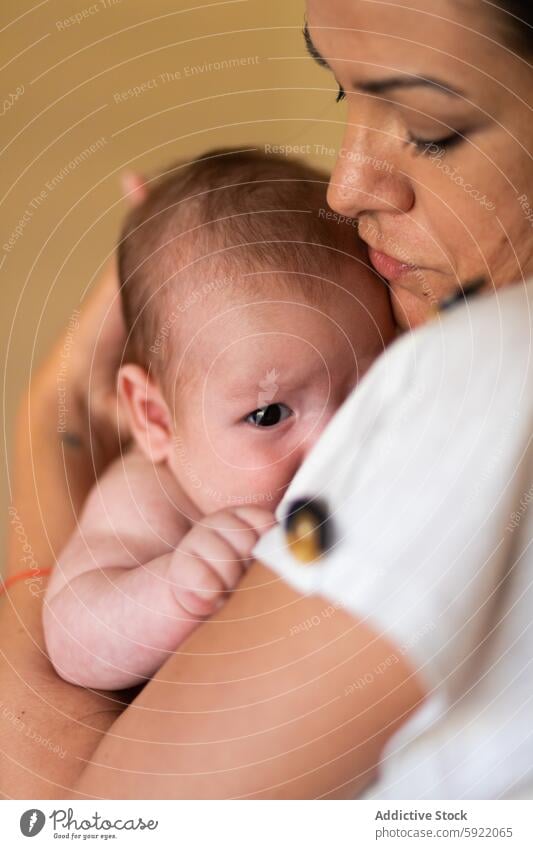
(96, 354)
(99, 348)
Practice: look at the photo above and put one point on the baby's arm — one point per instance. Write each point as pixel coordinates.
(135, 580)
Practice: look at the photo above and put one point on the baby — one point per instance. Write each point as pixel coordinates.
(251, 314)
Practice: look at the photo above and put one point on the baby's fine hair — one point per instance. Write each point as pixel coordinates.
(236, 213)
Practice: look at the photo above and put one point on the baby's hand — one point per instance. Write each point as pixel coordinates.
(211, 558)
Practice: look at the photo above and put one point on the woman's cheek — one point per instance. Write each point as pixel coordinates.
(480, 203)
(461, 222)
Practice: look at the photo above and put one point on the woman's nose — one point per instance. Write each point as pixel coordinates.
(366, 177)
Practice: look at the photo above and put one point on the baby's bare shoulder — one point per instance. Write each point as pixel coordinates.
(137, 499)
(132, 516)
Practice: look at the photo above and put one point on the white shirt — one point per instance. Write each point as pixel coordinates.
(427, 471)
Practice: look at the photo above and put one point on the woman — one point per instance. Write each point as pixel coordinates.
(435, 165)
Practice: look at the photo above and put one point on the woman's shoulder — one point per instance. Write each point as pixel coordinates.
(439, 408)
(466, 345)
(487, 318)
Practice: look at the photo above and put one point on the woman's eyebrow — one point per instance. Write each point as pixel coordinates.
(385, 85)
(412, 81)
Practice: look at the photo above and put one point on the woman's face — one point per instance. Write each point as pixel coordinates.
(435, 160)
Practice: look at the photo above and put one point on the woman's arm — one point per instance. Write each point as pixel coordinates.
(55, 463)
(52, 473)
(277, 696)
(46, 725)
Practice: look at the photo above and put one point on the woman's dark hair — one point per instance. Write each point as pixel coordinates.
(518, 21)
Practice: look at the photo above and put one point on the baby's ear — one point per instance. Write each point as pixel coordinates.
(146, 411)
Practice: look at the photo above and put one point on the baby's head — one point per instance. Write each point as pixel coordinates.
(251, 313)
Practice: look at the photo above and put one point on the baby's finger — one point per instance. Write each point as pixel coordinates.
(134, 188)
(233, 529)
(257, 517)
(215, 550)
(197, 588)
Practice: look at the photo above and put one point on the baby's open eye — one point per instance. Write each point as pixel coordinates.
(269, 416)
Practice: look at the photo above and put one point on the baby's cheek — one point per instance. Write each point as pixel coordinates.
(254, 472)
(271, 477)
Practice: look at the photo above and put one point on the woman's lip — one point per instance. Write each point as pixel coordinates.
(387, 266)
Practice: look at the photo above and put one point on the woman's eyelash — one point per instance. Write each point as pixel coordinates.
(431, 145)
(341, 95)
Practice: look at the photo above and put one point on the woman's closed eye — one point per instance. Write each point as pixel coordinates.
(424, 145)
(269, 416)
(421, 145)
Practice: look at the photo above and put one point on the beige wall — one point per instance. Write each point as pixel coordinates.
(72, 83)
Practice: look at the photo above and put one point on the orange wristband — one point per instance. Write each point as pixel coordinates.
(28, 573)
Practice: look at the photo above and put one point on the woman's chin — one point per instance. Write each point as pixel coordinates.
(411, 310)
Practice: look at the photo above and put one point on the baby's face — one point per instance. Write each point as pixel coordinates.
(259, 379)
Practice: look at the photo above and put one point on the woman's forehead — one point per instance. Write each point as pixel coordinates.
(451, 41)
(403, 13)
(403, 26)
